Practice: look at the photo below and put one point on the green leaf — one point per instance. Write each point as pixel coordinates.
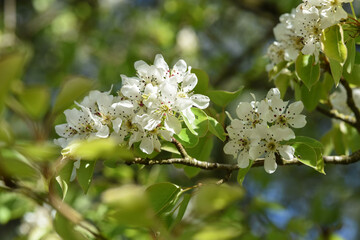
(11, 67)
(354, 76)
(273, 73)
(242, 173)
(186, 138)
(206, 146)
(327, 85)
(336, 70)
(203, 81)
(129, 205)
(307, 70)
(217, 129)
(107, 149)
(282, 82)
(311, 98)
(163, 196)
(191, 171)
(309, 151)
(35, 101)
(169, 147)
(183, 206)
(223, 98)
(74, 89)
(84, 174)
(351, 50)
(200, 125)
(38, 151)
(333, 42)
(15, 165)
(211, 198)
(66, 229)
(6, 133)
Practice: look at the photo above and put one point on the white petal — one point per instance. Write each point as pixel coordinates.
(287, 152)
(256, 151)
(151, 122)
(274, 92)
(299, 121)
(135, 137)
(172, 124)
(131, 91)
(243, 109)
(295, 107)
(231, 148)
(166, 135)
(189, 82)
(147, 145)
(183, 103)
(270, 163)
(116, 123)
(200, 101)
(157, 144)
(180, 66)
(282, 133)
(159, 62)
(189, 115)
(243, 159)
(102, 131)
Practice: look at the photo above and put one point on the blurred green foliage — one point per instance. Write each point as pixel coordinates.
(60, 50)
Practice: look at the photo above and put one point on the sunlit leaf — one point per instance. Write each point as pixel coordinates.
(84, 174)
(223, 98)
(242, 173)
(35, 101)
(163, 196)
(200, 125)
(186, 138)
(333, 42)
(203, 81)
(307, 70)
(211, 198)
(217, 129)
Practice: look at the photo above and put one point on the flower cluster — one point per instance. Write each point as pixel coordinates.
(148, 107)
(300, 31)
(261, 127)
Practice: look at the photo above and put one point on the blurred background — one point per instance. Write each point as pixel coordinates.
(99, 40)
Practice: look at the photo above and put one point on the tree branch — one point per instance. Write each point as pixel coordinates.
(336, 115)
(355, 157)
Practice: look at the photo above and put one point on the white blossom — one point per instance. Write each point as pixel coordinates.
(268, 144)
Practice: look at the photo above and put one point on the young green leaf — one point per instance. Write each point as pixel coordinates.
(333, 42)
(309, 151)
(311, 98)
(85, 173)
(11, 66)
(307, 70)
(223, 98)
(186, 138)
(35, 101)
(351, 50)
(200, 126)
(203, 81)
(216, 129)
(336, 70)
(72, 90)
(242, 173)
(163, 196)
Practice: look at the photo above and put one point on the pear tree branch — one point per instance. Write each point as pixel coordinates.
(342, 160)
